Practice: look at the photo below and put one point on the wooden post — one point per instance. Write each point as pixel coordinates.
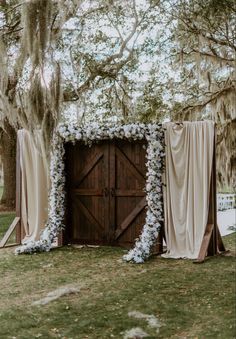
(60, 239)
(18, 193)
(161, 236)
(212, 217)
(212, 242)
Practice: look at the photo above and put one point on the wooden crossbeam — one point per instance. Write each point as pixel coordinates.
(88, 168)
(133, 169)
(158, 246)
(129, 193)
(89, 216)
(88, 191)
(130, 218)
(9, 232)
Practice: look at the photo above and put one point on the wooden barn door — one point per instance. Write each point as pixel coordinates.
(105, 192)
(87, 196)
(127, 182)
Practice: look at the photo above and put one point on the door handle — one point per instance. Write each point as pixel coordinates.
(105, 192)
(113, 192)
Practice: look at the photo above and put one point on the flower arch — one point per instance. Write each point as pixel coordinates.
(90, 134)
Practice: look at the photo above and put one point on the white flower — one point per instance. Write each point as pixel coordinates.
(88, 134)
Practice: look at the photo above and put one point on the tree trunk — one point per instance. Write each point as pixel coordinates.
(8, 143)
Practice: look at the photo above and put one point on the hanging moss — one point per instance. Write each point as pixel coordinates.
(36, 99)
(55, 91)
(47, 126)
(29, 19)
(3, 68)
(36, 20)
(44, 12)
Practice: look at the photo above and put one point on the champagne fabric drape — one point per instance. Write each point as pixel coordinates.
(34, 184)
(189, 154)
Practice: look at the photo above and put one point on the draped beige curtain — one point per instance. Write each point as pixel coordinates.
(34, 183)
(189, 154)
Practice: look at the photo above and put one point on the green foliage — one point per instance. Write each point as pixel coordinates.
(6, 219)
(202, 49)
(204, 44)
(150, 105)
(119, 60)
(109, 42)
(213, 10)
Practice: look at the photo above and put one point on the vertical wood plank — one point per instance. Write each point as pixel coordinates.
(212, 217)
(159, 243)
(65, 232)
(212, 242)
(19, 233)
(215, 229)
(112, 172)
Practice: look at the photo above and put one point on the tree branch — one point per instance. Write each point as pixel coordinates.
(188, 109)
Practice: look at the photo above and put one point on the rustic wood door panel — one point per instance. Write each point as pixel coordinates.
(105, 192)
(128, 191)
(88, 199)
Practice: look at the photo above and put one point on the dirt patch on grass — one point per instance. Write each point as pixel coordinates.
(135, 333)
(56, 294)
(151, 320)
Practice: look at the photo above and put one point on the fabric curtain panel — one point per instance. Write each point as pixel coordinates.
(189, 156)
(34, 185)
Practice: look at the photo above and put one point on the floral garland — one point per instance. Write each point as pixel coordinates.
(89, 134)
(56, 202)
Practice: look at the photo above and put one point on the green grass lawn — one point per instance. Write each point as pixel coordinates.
(6, 219)
(190, 301)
